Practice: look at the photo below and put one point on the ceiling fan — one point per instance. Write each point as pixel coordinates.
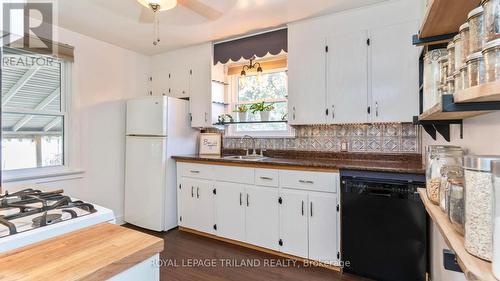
(151, 8)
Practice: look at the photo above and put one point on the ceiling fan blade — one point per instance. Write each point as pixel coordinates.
(201, 9)
(147, 16)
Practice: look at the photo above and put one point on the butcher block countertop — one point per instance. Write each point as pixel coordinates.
(395, 163)
(95, 253)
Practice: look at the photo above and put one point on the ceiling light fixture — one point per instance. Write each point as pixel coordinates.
(251, 66)
(157, 6)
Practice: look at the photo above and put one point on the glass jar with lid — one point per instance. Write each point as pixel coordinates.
(495, 170)
(491, 54)
(456, 203)
(491, 19)
(475, 69)
(451, 58)
(443, 70)
(464, 77)
(479, 205)
(450, 83)
(458, 51)
(464, 39)
(476, 30)
(432, 77)
(457, 81)
(440, 158)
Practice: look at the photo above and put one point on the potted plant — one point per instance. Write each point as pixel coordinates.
(263, 109)
(242, 111)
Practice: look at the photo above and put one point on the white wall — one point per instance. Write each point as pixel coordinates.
(104, 76)
(481, 135)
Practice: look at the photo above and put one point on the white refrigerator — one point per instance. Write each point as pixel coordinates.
(156, 129)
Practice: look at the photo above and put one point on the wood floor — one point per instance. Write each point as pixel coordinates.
(224, 262)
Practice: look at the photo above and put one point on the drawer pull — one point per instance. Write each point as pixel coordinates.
(194, 172)
(266, 178)
(304, 181)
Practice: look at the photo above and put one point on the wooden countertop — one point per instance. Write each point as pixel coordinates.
(94, 253)
(475, 269)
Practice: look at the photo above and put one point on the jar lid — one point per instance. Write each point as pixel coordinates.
(464, 27)
(495, 168)
(443, 59)
(439, 146)
(463, 68)
(480, 162)
(456, 38)
(477, 11)
(490, 45)
(456, 73)
(474, 56)
(450, 78)
(451, 45)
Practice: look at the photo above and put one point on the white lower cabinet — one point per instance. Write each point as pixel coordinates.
(323, 227)
(230, 210)
(296, 214)
(293, 223)
(262, 216)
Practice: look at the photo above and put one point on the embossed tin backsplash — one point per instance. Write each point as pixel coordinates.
(387, 138)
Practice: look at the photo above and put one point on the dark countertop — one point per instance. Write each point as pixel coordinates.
(338, 161)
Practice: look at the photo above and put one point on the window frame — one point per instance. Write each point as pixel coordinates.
(64, 113)
(231, 131)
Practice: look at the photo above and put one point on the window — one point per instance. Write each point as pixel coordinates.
(270, 88)
(34, 91)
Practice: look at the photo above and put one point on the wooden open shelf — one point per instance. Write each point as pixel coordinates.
(473, 268)
(445, 16)
(437, 113)
(482, 93)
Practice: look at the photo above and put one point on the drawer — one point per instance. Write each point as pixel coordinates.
(234, 174)
(199, 171)
(317, 181)
(266, 177)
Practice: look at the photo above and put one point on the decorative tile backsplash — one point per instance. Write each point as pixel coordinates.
(372, 138)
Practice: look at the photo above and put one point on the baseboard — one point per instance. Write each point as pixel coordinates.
(260, 249)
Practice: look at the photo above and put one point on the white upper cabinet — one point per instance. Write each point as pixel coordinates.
(306, 79)
(347, 72)
(179, 81)
(394, 71)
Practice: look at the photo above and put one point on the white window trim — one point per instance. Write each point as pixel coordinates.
(231, 132)
(66, 106)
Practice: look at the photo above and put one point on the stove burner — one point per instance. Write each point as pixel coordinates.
(46, 219)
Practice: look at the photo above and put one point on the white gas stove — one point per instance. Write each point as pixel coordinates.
(30, 216)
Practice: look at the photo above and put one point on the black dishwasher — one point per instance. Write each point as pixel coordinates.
(384, 226)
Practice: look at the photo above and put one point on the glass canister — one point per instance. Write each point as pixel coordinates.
(440, 158)
(491, 19)
(464, 77)
(458, 51)
(447, 172)
(464, 38)
(475, 69)
(451, 58)
(458, 81)
(495, 170)
(491, 55)
(476, 30)
(456, 202)
(479, 205)
(443, 70)
(432, 77)
(450, 82)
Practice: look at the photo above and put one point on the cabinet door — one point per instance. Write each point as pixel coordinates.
(394, 73)
(262, 217)
(161, 82)
(203, 207)
(293, 223)
(347, 86)
(230, 210)
(200, 88)
(323, 227)
(179, 81)
(306, 80)
(185, 202)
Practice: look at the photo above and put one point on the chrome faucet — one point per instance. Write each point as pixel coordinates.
(254, 152)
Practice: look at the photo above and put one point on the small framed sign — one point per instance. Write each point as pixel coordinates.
(210, 144)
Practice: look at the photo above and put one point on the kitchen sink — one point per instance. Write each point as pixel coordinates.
(246, 157)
